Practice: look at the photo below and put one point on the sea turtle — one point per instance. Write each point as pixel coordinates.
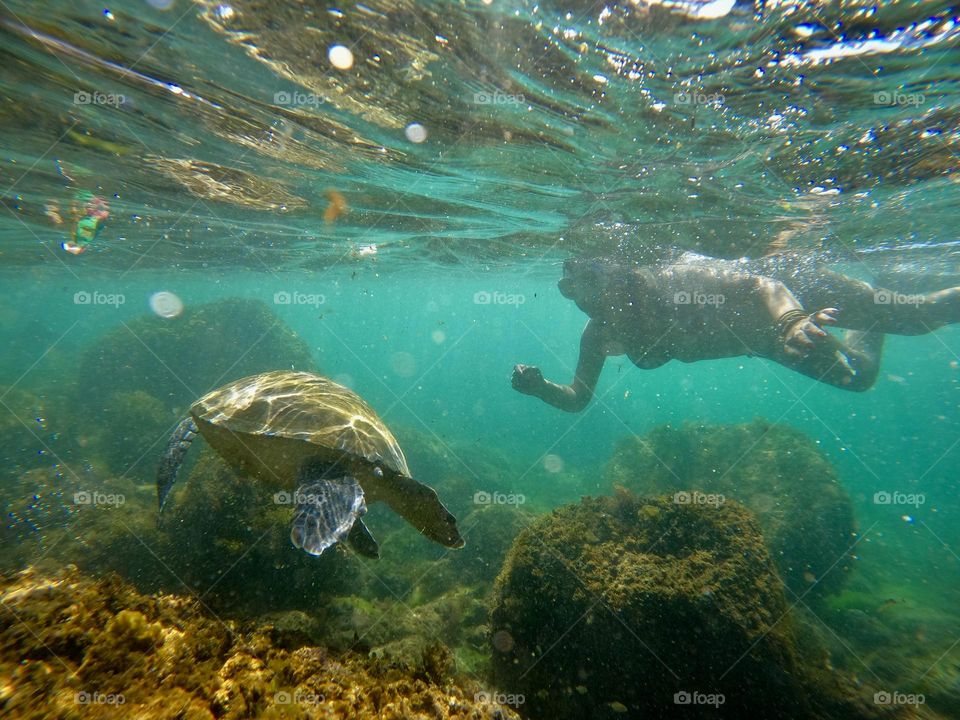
(321, 447)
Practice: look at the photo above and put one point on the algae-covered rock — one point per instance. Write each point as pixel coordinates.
(135, 381)
(805, 514)
(74, 648)
(628, 606)
(129, 431)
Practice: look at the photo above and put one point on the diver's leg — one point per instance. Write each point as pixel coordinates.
(863, 350)
(850, 365)
(865, 307)
(899, 313)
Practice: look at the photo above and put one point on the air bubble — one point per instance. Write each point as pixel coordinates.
(166, 304)
(340, 56)
(553, 463)
(416, 133)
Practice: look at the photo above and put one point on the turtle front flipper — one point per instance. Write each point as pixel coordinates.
(325, 512)
(172, 458)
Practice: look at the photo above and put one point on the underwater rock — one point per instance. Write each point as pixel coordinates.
(776, 471)
(75, 648)
(130, 431)
(630, 605)
(137, 380)
(401, 632)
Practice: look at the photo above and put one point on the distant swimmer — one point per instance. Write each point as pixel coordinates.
(694, 307)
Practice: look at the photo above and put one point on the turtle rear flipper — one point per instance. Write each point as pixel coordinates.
(172, 458)
(325, 512)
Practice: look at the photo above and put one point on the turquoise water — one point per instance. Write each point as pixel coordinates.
(476, 146)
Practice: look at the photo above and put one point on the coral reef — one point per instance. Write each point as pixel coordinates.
(74, 648)
(629, 605)
(776, 471)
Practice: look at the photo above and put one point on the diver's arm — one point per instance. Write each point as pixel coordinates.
(574, 397)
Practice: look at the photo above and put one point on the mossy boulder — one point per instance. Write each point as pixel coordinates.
(131, 430)
(137, 380)
(614, 606)
(776, 471)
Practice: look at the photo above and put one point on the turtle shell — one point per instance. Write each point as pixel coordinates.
(313, 414)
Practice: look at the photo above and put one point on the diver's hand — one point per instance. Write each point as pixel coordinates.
(527, 379)
(807, 333)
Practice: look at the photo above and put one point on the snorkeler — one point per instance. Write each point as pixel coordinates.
(701, 308)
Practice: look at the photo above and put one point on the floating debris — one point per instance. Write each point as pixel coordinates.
(337, 208)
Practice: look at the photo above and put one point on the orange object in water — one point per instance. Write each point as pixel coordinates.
(73, 248)
(337, 207)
